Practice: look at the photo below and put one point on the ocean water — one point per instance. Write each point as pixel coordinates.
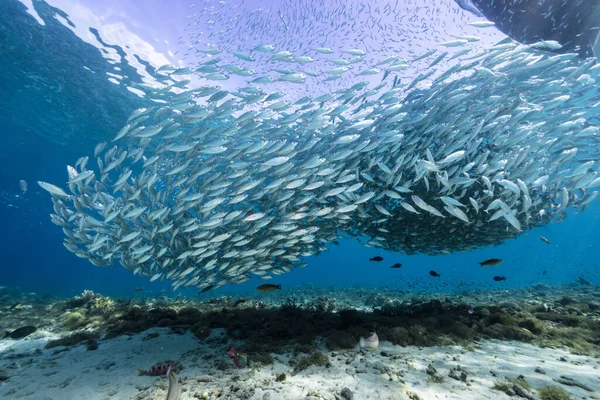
(58, 102)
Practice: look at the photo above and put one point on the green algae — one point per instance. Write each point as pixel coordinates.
(553, 393)
(427, 324)
(73, 340)
(317, 359)
(520, 380)
(267, 330)
(503, 386)
(74, 320)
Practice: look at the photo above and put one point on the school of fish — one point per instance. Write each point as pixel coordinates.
(212, 186)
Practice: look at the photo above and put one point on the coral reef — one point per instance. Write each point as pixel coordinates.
(537, 316)
(278, 342)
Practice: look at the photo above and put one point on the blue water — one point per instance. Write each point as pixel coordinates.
(52, 111)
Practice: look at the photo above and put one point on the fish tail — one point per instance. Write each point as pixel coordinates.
(141, 372)
(278, 286)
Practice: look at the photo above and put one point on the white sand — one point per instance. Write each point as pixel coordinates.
(110, 372)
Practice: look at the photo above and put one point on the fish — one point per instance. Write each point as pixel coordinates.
(160, 369)
(434, 274)
(499, 278)
(369, 343)
(174, 386)
(583, 281)
(268, 287)
(21, 332)
(532, 21)
(52, 189)
(232, 353)
(264, 48)
(545, 240)
(490, 262)
(397, 265)
(207, 288)
(23, 185)
(376, 258)
(216, 182)
(454, 43)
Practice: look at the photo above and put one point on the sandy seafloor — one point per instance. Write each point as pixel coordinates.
(476, 368)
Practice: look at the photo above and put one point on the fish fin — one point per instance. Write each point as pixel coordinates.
(469, 6)
(592, 41)
(505, 41)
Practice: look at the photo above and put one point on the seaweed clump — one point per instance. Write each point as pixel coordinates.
(262, 358)
(74, 339)
(74, 320)
(419, 323)
(503, 386)
(317, 358)
(517, 386)
(553, 393)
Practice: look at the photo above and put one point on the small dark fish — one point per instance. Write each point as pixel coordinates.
(433, 273)
(138, 289)
(376, 258)
(397, 265)
(490, 262)
(545, 240)
(206, 289)
(267, 287)
(159, 369)
(499, 278)
(582, 281)
(21, 332)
